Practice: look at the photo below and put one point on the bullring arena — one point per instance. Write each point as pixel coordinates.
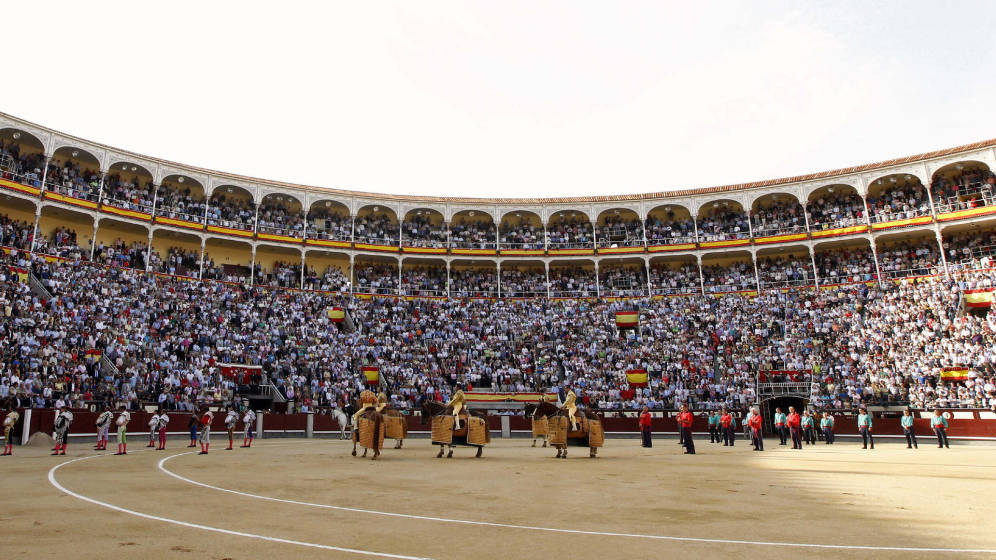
(310, 498)
(478, 281)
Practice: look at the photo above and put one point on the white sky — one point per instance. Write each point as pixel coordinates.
(507, 98)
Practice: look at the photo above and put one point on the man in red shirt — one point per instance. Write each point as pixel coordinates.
(645, 427)
(795, 427)
(756, 424)
(685, 420)
(726, 424)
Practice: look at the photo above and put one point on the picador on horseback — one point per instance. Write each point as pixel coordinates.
(570, 424)
(454, 424)
(368, 425)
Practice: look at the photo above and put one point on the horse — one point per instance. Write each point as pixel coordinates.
(589, 435)
(369, 432)
(539, 423)
(342, 420)
(397, 425)
(445, 435)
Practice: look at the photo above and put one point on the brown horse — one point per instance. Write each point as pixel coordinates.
(447, 436)
(539, 423)
(589, 435)
(369, 432)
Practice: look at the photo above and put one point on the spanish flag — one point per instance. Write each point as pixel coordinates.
(22, 274)
(979, 298)
(636, 377)
(336, 314)
(372, 373)
(94, 353)
(956, 373)
(627, 319)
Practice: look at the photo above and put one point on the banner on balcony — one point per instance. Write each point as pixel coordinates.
(956, 373)
(627, 319)
(336, 314)
(979, 299)
(372, 374)
(637, 377)
(240, 373)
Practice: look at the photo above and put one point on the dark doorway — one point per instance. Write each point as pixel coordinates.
(768, 410)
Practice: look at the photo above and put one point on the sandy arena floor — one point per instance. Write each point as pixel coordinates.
(311, 499)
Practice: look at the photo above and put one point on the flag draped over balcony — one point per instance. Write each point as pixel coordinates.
(627, 319)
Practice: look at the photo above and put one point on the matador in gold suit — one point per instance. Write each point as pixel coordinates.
(457, 402)
(570, 405)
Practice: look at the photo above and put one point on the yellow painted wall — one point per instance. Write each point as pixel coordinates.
(320, 261)
(267, 256)
(83, 226)
(228, 253)
(162, 242)
(109, 233)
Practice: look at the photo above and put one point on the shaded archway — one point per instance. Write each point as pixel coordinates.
(835, 206)
(777, 214)
(619, 227)
(473, 229)
(670, 224)
(128, 186)
(570, 229)
(176, 253)
(970, 246)
(473, 279)
(64, 233)
(425, 228)
(423, 277)
(844, 262)
(622, 277)
(785, 267)
(327, 271)
(22, 157)
(232, 207)
(17, 222)
(722, 220)
(899, 196)
(728, 272)
(375, 275)
(181, 198)
(227, 260)
(963, 185)
(908, 255)
(573, 278)
(330, 220)
(523, 279)
(376, 225)
(521, 230)
(281, 215)
(674, 275)
(278, 267)
(74, 172)
(122, 244)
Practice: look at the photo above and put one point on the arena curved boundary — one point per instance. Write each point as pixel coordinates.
(162, 462)
(52, 480)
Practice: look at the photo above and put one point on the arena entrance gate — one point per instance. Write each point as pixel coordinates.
(783, 402)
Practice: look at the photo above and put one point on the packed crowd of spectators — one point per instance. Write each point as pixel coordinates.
(781, 217)
(376, 278)
(665, 280)
(783, 272)
(846, 264)
(376, 229)
(910, 259)
(837, 208)
(231, 212)
(121, 253)
(670, 231)
(21, 166)
(178, 261)
(180, 204)
(423, 281)
(967, 188)
(570, 232)
(280, 275)
(332, 279)
(136, 194)
(15, 233)
(970, 249)
(473, 282)
(520, 234)
(573, 281)
(724, 223)
(418, 231)
(166, 339)
(620, 231)
(467, 234)
(275, 218)
(733, 277)
(622, 281)
(523, 283)
(909, 200)
(325, 222)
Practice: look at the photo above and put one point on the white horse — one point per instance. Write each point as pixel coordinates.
(342, 420)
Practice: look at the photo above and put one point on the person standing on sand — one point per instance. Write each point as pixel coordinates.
(685, 420)
(826, 423)
(756, 424)
(907, 423)
(865, 429)
(940, 425)
(645, 427)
